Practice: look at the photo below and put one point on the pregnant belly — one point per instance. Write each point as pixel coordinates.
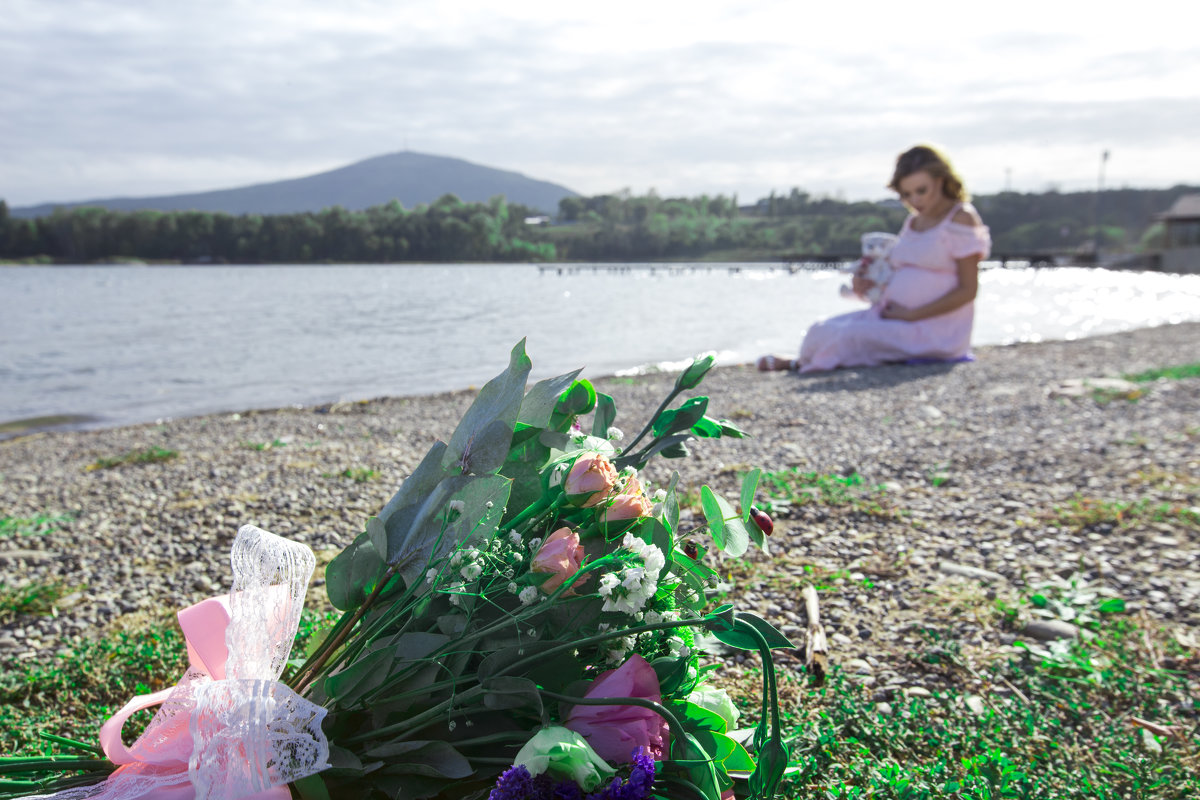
(912, 286)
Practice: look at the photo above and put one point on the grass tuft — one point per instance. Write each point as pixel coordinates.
(152, 455)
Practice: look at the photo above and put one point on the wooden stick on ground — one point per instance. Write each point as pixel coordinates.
(816, 646)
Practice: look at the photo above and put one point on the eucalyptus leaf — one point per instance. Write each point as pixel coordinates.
(745, 640)
(507, 692)
(354, 573)
(368, 673)
(434, 758)
(539, 403)
(475, 446)
(414, 488)
(678, 450)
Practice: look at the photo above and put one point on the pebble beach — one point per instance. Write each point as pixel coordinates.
(985, 480)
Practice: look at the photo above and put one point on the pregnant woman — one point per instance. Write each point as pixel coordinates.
(927, 309)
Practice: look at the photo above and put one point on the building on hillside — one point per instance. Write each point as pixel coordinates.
(1181, 242)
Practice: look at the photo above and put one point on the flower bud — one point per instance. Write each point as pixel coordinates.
(590, 480)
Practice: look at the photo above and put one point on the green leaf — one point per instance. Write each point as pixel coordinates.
(606, 415)
(682, 418)
(538, 405)
(354, 573)
(774, 639)
(1113, 605)
(725, 525)
(580, 398)
(696, 718)
(749, 488)
(1039, 601)
(743, 639)
(707, 428)
(672, 673)
(480, 443)
(731, 430)
(311, 788)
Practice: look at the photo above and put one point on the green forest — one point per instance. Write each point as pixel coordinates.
(612, 227)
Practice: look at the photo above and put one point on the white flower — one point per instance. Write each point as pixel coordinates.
(660, 495)
(513, 588)
(451, 726)
(458, 506)
(608, 582)
(518, 558)
(515, 538)
(534, 544)
(653, 617)
(529, 595)
(471, 571)
(456, 559)
(431, 576)
(615, 434)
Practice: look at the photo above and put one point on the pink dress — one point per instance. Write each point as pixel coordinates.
(925, 270)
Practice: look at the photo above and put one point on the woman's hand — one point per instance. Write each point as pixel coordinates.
(861, 285)
(893, 310)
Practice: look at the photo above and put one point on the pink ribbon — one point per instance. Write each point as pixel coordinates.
(214, 734)
(169, 750)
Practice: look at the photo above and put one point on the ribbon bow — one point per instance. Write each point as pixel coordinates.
(228, 730)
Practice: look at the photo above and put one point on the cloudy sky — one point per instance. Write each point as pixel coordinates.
(130, 97)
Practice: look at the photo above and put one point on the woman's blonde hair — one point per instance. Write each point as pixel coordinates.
(924, 158)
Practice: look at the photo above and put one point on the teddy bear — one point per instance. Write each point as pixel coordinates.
(874, 265)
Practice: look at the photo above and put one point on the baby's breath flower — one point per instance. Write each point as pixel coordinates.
(513, 588)
(515, 538)
(431, 576)
(458, 506)
(529, 595)
(471, 571)
(615, 434)
(534, 544)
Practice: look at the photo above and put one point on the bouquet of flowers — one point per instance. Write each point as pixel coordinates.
(524, 619)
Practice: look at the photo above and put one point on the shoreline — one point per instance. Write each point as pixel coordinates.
(78, 422)
(977, 465)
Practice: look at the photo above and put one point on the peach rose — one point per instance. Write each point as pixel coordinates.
(624, 507)
(559, 556)
(591, 478)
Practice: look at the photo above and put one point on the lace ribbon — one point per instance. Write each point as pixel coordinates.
(228, 730)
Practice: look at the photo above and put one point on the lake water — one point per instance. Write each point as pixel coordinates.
(123, 344)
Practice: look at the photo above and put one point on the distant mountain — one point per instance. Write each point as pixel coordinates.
(412, 178)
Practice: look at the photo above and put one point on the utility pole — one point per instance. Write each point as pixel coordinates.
(1096, 207)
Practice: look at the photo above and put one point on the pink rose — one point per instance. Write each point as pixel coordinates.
(623, 507)
(560, 555)
(591, 478)
(615, 731)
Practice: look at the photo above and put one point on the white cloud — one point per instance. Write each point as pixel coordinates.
(127, 98)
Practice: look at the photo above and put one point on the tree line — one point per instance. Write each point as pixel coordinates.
(611, 227)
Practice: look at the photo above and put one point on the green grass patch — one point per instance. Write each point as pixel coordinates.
(1035, 728)
(151, 455)
(359, 474)
(271, 445)
(794, 487)
(39, 525)
(1174, 373)
(31, 598)
(1089, 512)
